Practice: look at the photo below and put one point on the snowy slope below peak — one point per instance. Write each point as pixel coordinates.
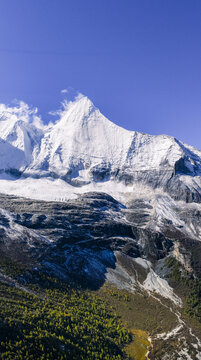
(144, 206)
(11, 158)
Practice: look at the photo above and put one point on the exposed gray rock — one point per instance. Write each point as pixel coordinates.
(86, 233)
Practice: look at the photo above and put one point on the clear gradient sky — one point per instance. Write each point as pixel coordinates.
(139, 61)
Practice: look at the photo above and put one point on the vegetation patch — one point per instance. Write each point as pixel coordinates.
(59, 324)
(189, 289)
(64, 322)
(12, 267)
(139, 311)
(139, 347)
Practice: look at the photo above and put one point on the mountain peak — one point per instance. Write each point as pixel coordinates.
(83, 100)
(77, 112)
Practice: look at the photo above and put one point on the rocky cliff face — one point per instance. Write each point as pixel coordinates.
(81, 237)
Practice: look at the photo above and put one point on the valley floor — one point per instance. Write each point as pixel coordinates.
(56, 321)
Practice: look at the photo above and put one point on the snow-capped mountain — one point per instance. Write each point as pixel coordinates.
(119, 206)
(84, 139)
(84, 151)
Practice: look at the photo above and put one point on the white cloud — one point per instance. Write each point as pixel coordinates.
(21, 111)
(64, 91)
(65, 105)
(37, 122)
(79, 96)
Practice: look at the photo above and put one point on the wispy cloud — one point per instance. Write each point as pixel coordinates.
(64, 91)
(19, 110)
(66, 104)
(79, 96)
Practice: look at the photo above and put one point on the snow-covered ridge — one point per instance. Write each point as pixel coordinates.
(83, 139)
(83, 147)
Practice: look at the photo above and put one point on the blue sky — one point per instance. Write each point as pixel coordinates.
(139, 61)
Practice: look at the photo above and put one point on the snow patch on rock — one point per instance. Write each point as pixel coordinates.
(156, 284)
